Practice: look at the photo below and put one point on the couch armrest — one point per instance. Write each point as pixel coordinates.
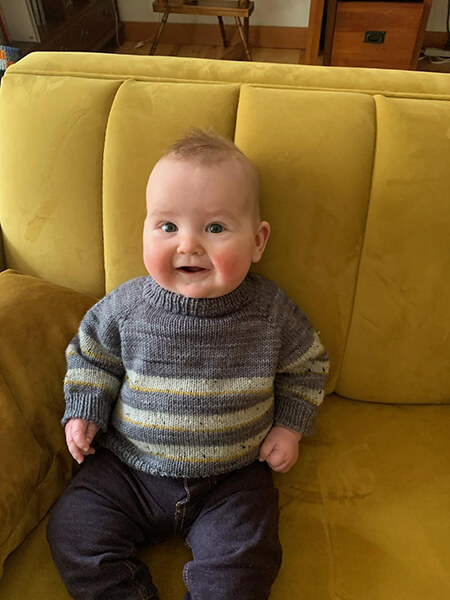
(37, 321)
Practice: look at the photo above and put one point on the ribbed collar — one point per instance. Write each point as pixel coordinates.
(199, 307)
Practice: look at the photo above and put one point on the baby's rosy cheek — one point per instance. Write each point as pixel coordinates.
(228, 266)
(156, 261)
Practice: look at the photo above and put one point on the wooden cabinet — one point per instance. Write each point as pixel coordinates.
(375, 34)
(77, 25)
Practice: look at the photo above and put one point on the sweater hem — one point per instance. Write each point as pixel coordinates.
(162, 467)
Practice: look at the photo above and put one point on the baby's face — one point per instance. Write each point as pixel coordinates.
(201, 233)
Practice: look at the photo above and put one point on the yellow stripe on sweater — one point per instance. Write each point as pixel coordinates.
(195, 424)
(200, 387)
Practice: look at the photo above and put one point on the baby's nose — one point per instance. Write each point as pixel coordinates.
(189, 244)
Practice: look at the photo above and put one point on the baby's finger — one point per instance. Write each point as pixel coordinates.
(83, 434)
(75, 451)
(265, 450)
(276, 458)
(91, 432)
(79, 437)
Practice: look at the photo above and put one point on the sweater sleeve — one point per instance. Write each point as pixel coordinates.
(94, 365)
(301, 374)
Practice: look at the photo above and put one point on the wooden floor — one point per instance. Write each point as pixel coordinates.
(271, 55)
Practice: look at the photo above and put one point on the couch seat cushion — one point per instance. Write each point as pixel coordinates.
(364, 514)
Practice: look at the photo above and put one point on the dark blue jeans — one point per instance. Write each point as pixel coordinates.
(229, 521)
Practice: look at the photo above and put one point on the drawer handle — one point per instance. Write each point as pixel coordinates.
(84, 32)
(374, 37)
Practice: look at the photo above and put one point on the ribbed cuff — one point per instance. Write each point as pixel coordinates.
(296, 414)
(85, 407)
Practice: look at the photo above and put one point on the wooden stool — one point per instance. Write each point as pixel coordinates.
(213, 8)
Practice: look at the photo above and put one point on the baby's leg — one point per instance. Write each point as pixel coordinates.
(234, 539)
(96, 526)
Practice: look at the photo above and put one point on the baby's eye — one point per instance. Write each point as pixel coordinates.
(215, 228)
(169, 227)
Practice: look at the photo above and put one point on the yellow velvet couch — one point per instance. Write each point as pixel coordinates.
(355, 172)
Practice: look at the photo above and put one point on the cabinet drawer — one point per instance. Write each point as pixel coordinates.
(400, 22)
(86, 31)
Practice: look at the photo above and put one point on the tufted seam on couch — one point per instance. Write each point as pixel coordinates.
(361, 252)
(119, 87)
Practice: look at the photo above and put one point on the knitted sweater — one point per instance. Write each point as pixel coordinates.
(190, 387)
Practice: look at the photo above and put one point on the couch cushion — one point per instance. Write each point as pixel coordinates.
(37, 321)
(145, 119)
(399, 344)
(365, 511)
(364, 514)
(316, 170)
(51, 159)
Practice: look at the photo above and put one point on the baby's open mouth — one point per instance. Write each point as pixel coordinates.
(191, 269)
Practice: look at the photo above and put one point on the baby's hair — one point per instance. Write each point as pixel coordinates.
(204, 146)
(207, 148)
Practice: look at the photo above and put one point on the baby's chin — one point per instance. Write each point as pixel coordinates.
(200, 292)
(206, 289)
(196, 285)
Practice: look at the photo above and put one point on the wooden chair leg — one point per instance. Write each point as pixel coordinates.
(247, 29)
(223, 33)
(159, 32)
(242, 35)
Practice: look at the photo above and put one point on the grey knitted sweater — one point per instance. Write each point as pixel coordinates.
(190, 387)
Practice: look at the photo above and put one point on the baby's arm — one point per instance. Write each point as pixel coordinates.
(280, 448)
(299, 386)
(94, 375)
(79, 435)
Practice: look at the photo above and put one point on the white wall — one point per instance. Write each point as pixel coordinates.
(438, 16)
(283, 13)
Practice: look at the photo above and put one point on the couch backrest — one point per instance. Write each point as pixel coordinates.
(355, 176)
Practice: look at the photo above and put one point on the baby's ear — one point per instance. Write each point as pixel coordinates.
(261, 238)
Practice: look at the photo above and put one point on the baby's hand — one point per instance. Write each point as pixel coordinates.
(79, 435)
(280, 448)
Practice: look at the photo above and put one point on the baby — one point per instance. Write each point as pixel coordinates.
(197, 381)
